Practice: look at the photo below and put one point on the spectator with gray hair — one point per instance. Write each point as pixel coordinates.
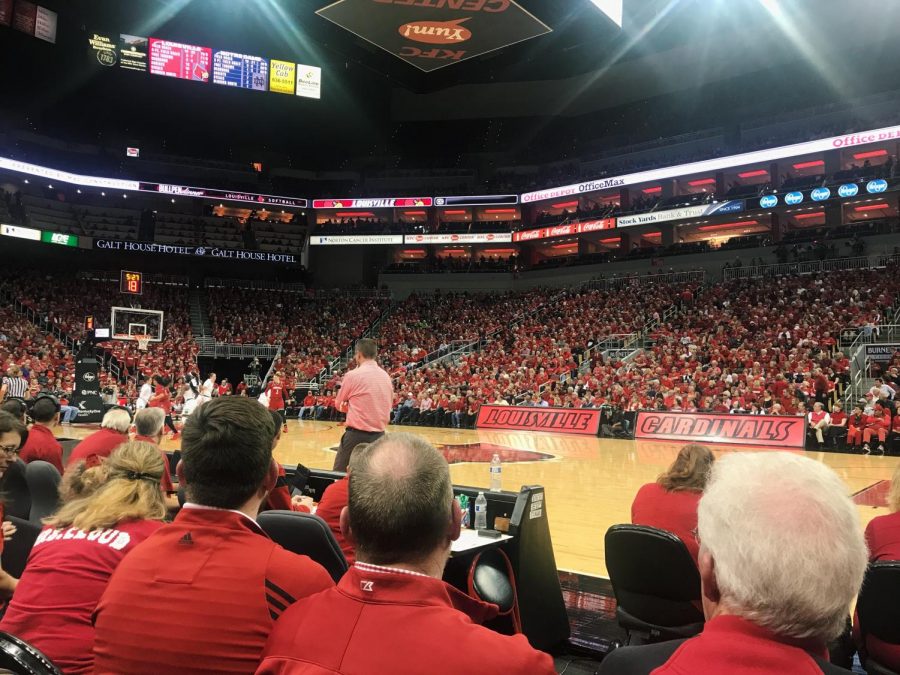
(112, 433)
(782, 556)
(391, 612)
(148, 425)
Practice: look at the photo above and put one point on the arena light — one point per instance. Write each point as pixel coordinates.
(810, 164)
(611, 240)
(652, 190)
(498, 251)
(500, 211)
(806, 216)
(571, 244)
(565, 205)
(728, 226)
(454, 250)
(354, 214)
(414, 213)
(753, 174)
(414, 251)
(454, 212)
(872, 207)
(702, 181)
(651, 235)
(870, 154)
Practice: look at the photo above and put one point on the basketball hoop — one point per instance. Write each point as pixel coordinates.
(143, 342)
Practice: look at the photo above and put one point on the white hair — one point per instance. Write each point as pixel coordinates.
(118, 419)
(149, 421)
(786, 540)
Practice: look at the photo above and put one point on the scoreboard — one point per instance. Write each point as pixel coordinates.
(239, 70)
(185, 62)
(131, 282)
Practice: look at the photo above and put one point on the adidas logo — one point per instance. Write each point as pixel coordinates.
(186, 539)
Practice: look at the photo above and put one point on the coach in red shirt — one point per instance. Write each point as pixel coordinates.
(112, 433)
(773, 594)
(42, 444)
(391, 612)
(201, 595)
(365, 395)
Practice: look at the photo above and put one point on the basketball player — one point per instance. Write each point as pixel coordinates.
(275, 392)
(206, 391)
(190, 394)
(146, 392)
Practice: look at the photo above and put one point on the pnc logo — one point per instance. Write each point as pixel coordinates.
(436, 32)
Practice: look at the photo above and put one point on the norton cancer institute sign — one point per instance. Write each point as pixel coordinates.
(431, 34)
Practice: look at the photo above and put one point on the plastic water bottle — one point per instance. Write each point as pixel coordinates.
(481, 512)
(496, 473)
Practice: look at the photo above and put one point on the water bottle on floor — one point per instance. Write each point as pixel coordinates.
(496, 473)
(481, 512)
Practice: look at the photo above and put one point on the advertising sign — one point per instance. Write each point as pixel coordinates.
(59, 238)
(565, 230)
(355, 239)
(719, 163)
(45, 25)
(86, 390)
(226, 195)
(377, 203)
(309, 81)
(731, 206)
(133, 52)
(484, 238)
(770, 431)
(239, 70)
(20, 232)
(883, 353)
(477, 200)
(282, 76)
(197, 251)
(582, 421)
(432, 34)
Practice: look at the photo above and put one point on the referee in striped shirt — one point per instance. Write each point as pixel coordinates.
(14, 385)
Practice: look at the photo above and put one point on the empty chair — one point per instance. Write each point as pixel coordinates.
(305, 534)
(656, 584)
(491, 579)
(17, 656)
(16, 497)
(43, 485)
(16, 550)
(878, 618)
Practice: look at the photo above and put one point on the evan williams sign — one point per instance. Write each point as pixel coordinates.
(782, 432)
(584, 421)
(431, 34)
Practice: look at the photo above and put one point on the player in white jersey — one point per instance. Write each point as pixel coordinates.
(191, 394)
(206, 391)
(144, 395)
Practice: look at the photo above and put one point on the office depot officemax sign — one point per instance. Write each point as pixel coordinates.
(767, 430)
(432, 34)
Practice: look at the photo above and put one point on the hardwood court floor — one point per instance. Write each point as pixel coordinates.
(590, 482)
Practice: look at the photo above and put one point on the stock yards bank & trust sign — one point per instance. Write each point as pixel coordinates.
(196, 251)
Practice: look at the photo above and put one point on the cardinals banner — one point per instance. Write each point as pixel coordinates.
(770, 431)
(432, 34)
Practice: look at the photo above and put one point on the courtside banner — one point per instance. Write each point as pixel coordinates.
(583, 421)
(782, 432)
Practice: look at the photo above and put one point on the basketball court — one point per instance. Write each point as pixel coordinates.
(590, 482)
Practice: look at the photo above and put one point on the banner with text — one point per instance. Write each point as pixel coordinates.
(355, 239)
(483, 238)
(717, 209)
(582, 421)
(196, 251)
(566, 230)
(771, 431)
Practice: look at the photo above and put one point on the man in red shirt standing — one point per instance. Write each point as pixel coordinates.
(275, 393)
(205, 590)
(112, 433)
(391, 612)
(42, 444)
(365, 395)
(773, 595)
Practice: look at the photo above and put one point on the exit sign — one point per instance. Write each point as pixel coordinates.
(59, 238)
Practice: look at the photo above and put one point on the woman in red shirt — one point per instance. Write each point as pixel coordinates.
(117, 505)
(275, 392)
(671, 502)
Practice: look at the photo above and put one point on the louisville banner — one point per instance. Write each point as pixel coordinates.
(772, 431)
(584, 421)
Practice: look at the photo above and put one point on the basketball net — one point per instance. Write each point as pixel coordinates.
(143, 342)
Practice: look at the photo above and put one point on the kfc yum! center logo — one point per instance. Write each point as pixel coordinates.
(436, 32)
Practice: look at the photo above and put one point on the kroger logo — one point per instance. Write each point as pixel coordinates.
(848, 190)
(793, 198)
(875, 186)
(88, 377)
(820, 194)
(768, 201)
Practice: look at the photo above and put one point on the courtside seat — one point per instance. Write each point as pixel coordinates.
(491, 579)
(16, 550)
(878, 611)
(68, 445)
(17, 656)
(16, 496)
(43, 485)
(305, 534)
(656, 584)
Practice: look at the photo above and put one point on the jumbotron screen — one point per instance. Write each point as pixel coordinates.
(174, 59)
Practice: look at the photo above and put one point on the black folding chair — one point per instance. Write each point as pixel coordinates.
(305, 534)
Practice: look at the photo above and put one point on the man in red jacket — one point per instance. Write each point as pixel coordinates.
(201, 594)
(773, 595)
(391, 612)
(42, 444)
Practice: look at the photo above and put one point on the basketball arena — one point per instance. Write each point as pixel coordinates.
(428, 336)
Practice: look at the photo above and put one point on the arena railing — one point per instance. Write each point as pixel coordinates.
(859, 364)
(810, 267)
(254, 284)
(225, 350)
(615, 283)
